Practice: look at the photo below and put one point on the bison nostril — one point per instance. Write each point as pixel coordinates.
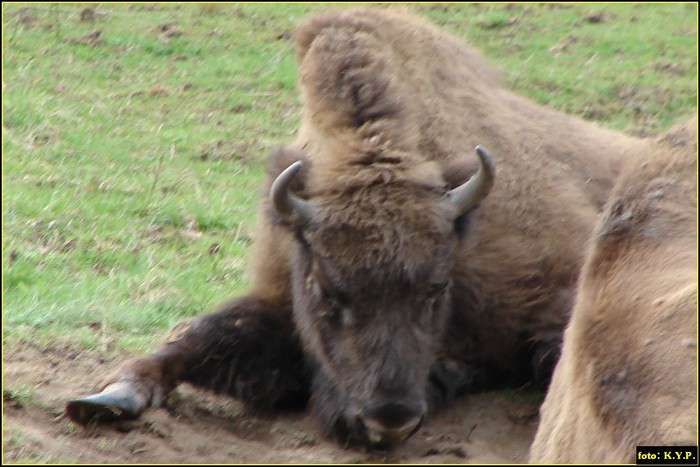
(393, 414)
(384, 437)
(389, 424)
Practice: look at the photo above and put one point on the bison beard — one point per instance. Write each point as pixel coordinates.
(383, 284)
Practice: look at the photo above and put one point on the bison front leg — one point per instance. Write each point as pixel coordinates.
(248, 349)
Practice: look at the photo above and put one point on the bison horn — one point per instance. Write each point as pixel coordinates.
(290, 207)
(466, 196)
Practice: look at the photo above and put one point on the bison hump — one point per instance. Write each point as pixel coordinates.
(346, 71)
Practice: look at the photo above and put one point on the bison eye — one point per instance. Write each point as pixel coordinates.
(437, 290)
(331, 305)
(436, 293)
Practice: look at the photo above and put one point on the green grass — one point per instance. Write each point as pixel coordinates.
(629, 66)
(132, 160)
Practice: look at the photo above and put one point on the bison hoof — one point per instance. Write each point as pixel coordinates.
(118, 401)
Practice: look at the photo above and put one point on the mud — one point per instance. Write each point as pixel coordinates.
(199, 427)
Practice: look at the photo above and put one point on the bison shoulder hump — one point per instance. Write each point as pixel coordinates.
(345, 70)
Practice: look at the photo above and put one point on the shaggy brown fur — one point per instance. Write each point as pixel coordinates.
(385, 296)
(390, 99)
(627, 375)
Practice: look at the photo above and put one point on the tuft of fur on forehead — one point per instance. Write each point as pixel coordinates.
(395, 230)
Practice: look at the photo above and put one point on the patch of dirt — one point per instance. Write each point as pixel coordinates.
(224, 150)
(169, 30)
(198, 427)
(91, 39)
(595, 17)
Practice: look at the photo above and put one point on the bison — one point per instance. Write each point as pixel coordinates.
(387, 274)
(628, 370)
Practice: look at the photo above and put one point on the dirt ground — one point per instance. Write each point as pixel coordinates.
(198, 427)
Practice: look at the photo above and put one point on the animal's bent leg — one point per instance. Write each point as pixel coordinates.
(248, 349)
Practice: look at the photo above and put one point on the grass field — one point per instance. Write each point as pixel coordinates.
(133, 138)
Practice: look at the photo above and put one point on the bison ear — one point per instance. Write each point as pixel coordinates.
(467, 196)
(457, 170)
(282, 157)
(287, 205)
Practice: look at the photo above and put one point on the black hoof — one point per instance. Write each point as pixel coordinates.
(118, 401)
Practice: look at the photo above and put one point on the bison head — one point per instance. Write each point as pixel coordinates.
(371, 276)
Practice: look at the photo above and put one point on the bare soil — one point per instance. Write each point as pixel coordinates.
(199, 427)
